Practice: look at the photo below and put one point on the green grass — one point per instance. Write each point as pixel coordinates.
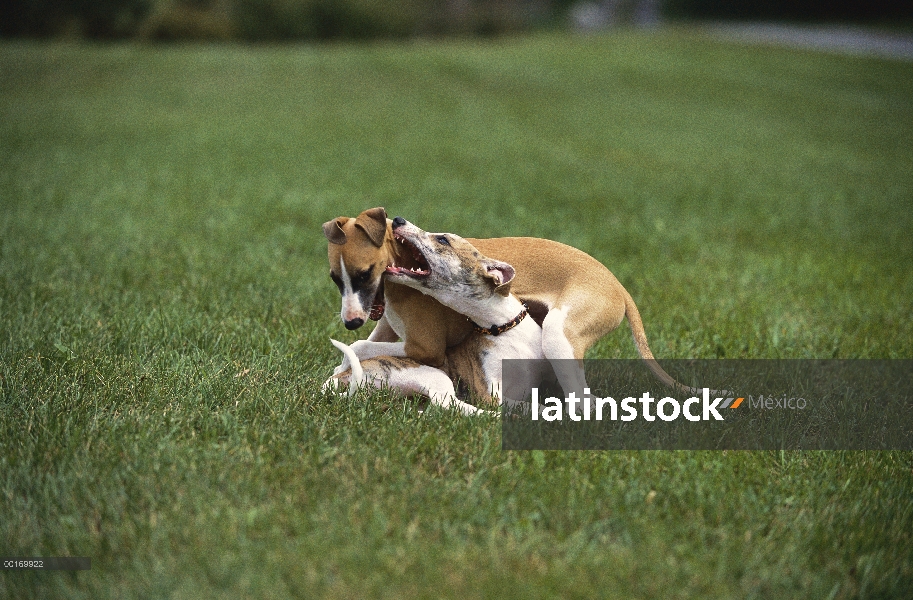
(165, 312)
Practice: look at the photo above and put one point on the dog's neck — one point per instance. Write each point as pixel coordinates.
(494, 311)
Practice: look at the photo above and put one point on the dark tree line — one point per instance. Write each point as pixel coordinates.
(264, 20)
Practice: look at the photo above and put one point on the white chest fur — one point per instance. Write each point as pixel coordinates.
(522, 342)
(395, 321)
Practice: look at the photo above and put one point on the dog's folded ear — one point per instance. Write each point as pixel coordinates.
(374, 223)
(333, 230)
(502, 274)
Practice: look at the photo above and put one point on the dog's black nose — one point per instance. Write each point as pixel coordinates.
(354, 324)
(398, 222)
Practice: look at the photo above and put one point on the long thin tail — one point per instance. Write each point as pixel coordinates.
(358, 374)
(640, 342)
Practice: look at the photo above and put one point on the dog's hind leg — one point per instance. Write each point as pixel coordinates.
(569, 329)
(565, 358)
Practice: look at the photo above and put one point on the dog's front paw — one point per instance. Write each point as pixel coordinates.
(343, 366)
(331, 385)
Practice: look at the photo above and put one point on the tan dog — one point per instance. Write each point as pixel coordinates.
(571, 294)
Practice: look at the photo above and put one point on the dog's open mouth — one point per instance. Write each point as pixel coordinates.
(379, 305)
(420, 268)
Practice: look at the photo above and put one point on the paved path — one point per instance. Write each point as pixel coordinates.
(845, 40)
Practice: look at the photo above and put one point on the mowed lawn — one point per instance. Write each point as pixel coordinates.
(165, 310)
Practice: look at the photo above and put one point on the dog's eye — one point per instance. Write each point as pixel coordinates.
(362, 277)
(442, 239)
(336, 280)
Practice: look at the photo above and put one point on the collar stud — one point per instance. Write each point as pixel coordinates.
(496, 330)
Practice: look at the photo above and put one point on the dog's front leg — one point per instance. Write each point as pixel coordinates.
(365, 349)
(430, 382)
(383, 332)
(436, 385)
(439, 388)
(450, 401)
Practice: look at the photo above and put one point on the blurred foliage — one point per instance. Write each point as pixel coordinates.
(327, 19)
(268, 20)
(281, 20)
(73, 18)
(170, 21)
